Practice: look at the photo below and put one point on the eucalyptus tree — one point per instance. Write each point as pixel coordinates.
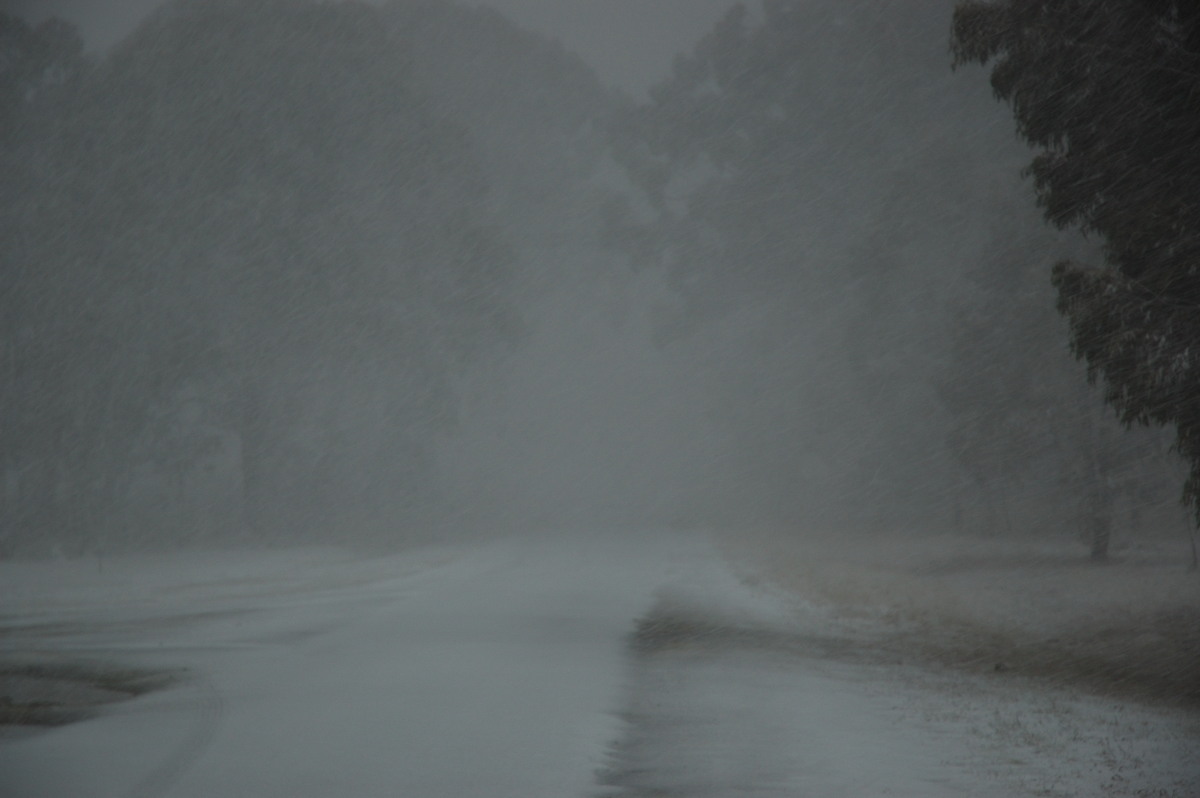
(1036, 440)
(1106, 91)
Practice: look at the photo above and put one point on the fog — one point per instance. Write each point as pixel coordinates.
(583, 265)
(629, 44)
(608, 397)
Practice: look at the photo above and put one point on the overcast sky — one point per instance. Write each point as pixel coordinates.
(630, 43)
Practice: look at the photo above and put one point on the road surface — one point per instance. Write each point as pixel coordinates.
(638, 665)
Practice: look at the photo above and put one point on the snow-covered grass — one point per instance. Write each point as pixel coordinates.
(1037, 607)
(1074, 678)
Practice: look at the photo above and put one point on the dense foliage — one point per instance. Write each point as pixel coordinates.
(787, 167)
(818, 172)
(243, 235)
(255, 255)
(1107, 91)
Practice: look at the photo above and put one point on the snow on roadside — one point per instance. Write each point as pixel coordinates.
(1018, 647)
(505, 669)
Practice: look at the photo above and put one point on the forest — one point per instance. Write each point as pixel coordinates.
(291, 271)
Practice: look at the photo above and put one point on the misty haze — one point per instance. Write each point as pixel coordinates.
(599, 398)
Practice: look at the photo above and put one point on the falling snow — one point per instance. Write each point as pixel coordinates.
(603, 398)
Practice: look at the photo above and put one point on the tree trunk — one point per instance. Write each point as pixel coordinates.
(1100, 518)
(1101, 531)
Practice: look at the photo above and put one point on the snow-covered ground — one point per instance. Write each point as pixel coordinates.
(513, 668)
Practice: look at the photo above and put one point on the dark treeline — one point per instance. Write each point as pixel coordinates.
(258, 256)
(820, 163)
(243, 234)
(1107, 93)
